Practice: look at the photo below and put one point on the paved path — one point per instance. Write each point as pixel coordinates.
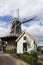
(6, 59)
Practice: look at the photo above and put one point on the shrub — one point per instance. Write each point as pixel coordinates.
(24, 57)
(29, 59)
(15, 50)
(39, 48)
(12, 51)
(26, 53)
(34, 54)
(18, 55)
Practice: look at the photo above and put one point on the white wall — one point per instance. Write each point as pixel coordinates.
(31, 46)
(20, 44)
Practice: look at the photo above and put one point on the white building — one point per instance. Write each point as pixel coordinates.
(25, 43)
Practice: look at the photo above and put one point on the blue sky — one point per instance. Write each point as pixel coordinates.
(6, 18)
(27, 8)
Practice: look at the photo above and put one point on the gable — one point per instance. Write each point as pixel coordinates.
(27, 34)
(26, 38)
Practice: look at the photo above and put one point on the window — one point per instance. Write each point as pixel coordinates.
(25, 37)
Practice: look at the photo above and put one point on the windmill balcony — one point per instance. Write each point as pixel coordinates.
(14, 34)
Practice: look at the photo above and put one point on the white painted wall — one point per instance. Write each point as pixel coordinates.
(32, 47)
(20, 44)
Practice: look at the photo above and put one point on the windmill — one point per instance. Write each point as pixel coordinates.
(16, 25)
(15, 31)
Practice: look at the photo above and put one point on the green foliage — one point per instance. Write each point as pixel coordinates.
(29, 58)
(38, 48)
(12, 51)
(26, 53)
(34, 54)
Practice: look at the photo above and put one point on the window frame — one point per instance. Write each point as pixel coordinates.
(25, 38)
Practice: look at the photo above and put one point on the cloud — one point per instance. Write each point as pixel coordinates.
(4, 31)
(35, 29)
(32, 8)
(4, 28)
(27, 7)
(8, 7)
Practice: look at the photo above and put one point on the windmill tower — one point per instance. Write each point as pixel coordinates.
(16, 25)
(16, 30)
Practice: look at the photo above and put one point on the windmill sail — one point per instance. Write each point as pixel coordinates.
(25, 21)
(16, 26)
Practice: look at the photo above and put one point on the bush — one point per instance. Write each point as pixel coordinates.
(15, 50)
(24, 57)
(28, 58)
(39, 48)
(26, 53)
(34, 54)
(12, 51)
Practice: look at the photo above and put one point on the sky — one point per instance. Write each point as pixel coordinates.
(27, 9)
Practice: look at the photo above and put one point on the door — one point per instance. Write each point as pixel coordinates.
(24, 47)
